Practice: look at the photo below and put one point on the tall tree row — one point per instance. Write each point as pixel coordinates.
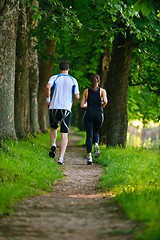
(108, 37)
(19, 72)
(26, 64)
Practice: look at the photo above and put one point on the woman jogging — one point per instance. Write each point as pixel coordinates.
(94, 99)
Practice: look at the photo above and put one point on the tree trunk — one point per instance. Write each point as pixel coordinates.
(8, 25)
(45, 72)
(117, 89)
(33, 85)
(22, 117)
(33, 78)
(105, 67)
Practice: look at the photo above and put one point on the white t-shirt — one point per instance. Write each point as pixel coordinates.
(63, 86)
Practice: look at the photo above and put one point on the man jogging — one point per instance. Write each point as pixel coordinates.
(60, 90)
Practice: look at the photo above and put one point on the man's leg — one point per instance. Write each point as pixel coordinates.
(63, 144)
(64, 123)
(53, 136)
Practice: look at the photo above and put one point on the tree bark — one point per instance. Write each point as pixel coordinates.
(105, 67)
(33, 88)
(8, 29)
(33, 77)
(45, 72)
(22, 115)
(117, 88)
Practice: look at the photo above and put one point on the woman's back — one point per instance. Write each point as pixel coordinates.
(94, 99)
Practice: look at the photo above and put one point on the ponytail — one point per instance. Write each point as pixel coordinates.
(95, 78)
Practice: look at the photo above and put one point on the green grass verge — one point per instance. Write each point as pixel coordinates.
(133, 177)
(25, 170)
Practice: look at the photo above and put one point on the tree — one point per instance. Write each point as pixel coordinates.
(8, 19)
(22, 103)
(33, 74)
(117, 88)
(45, 72)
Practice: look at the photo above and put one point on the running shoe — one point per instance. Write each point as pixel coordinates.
(52, 152)
(96, 152)
(89, 161)
(60, 161)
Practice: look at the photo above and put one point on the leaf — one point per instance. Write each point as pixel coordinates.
(145, 9)
(137, 6)
(158, 15)
(114, 18)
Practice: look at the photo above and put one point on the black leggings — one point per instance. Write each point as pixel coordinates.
(92, 121)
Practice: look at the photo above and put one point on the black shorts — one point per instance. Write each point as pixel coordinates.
(60, 117)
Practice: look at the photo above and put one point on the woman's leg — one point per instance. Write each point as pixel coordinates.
(97, 123)
(96, 127)
(89, 134)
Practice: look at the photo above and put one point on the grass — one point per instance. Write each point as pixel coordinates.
(133, 177)
(25, 170)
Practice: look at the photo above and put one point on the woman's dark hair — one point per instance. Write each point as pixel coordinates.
(64, 66)
(94, 79)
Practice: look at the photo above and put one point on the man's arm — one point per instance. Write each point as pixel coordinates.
(48, 93)
(76, 97)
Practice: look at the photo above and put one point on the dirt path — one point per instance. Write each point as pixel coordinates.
(74, 210)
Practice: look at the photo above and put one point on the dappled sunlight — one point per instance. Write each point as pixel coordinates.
(93, 196)
(140, 135)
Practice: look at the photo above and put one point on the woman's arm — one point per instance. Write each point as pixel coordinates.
(84, 99)
(104, 97)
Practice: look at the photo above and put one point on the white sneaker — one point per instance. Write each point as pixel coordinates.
(96, 152)
(60, 161)
(89, 161)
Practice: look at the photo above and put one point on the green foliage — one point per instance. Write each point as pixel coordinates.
(144, 6)
(143, 104)
(84, 30)
(51, 20)
(101, 22)
(25, 170)
(133, 177)
(144, 90)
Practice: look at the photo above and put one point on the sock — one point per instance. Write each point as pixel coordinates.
(54, 144)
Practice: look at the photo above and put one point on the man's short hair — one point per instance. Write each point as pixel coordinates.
(64, 66)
